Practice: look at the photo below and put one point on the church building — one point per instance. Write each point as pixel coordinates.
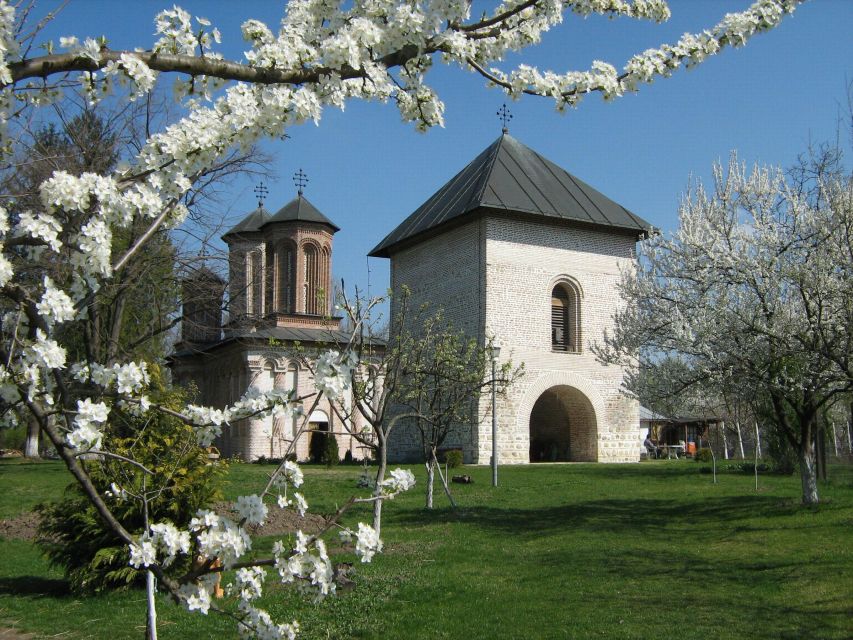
(513, 248)
(516, 249)
(279, 296)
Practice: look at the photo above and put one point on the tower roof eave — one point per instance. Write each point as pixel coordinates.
(297, 210)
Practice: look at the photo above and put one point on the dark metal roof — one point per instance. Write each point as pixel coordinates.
(251, 223)
(297, 210)
(510, 177)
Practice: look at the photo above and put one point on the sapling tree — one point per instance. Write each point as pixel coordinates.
(753, 289)
(377, 368)
(440, 390)
(322, 54)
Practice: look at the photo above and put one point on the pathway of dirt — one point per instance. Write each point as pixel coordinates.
(279, 522)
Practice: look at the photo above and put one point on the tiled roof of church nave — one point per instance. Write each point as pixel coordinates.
(511, 177)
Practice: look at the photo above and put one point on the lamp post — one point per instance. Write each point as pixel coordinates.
(496, 352)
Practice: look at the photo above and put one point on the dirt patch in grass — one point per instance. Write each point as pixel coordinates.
(22, 527)
(279, 522)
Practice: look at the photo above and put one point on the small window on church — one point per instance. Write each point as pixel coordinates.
(565, 319)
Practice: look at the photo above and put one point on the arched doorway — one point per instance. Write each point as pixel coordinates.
(563, 427)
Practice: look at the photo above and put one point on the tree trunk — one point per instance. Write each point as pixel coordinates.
(757, 441)
(430, 469)
(380, 476)
(808, 472)
(443, 478)
(151, 621)
(834, 439)
(739, 435)
(31, 446)
(722, 427)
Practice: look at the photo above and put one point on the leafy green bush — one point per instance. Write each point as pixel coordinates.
(783, 457)
(330, 451)
(749, 467)
(704, 455)
(13, 437)
(323, 448)
(71, 532)
(453, 458)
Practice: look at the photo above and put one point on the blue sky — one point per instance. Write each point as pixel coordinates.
(368, 170)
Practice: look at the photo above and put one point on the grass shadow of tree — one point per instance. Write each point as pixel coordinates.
(34, 586)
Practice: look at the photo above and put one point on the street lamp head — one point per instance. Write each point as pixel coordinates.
(496, 352)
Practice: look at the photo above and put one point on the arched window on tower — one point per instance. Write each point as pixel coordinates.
(325, 279)
(312, 280)
(270, 272)
(286, 277)
(255, 283)
(565, 318)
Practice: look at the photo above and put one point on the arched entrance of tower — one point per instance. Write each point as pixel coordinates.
(563, 426)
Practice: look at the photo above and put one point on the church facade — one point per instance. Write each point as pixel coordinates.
(278, 317)
(516, 249)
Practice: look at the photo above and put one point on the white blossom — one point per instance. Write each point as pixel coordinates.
(332, 373)
(55, 305)
(143, 554)
(45, 352)
(301, 503)
(196, 597)
(352, 44)
(252, 508)
(367, 543)
(170, 540)
(399, 480)
(220, 537)
(249, 582)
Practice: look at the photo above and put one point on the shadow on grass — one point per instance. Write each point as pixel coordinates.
(613, 515)
(35, 586)
(715, 588)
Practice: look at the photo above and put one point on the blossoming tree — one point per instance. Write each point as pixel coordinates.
(322, 54)
(752, 291)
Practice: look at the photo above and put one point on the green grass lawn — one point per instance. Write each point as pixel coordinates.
(653, 550)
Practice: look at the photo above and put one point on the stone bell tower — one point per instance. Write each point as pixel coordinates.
(516, 249)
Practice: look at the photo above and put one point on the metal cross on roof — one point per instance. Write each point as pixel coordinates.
(300, 179)
(261, 191)
(505, 116)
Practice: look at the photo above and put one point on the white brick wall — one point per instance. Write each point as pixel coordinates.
(223, 378)
(494, 277)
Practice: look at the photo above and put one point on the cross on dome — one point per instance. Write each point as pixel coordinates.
(261, 192)
(504, 116)
(300, 179)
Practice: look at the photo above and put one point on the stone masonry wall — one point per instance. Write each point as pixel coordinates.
(524, 261)
(493, 277)
(445, 272)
